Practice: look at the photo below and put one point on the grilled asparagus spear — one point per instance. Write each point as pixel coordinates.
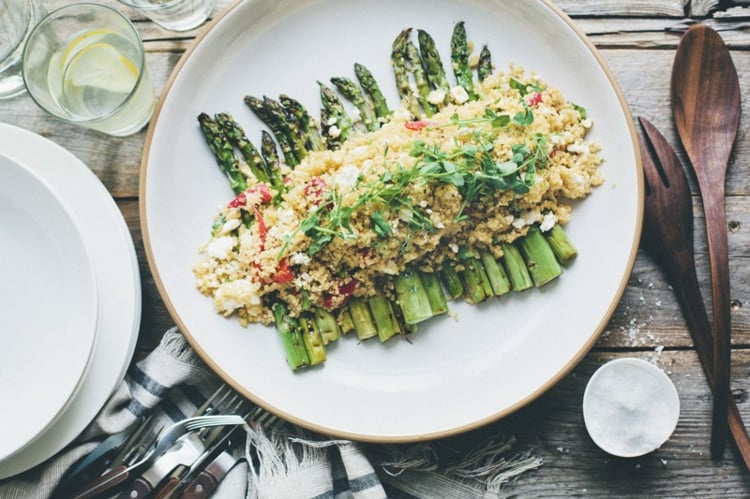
(432, 62)
(223, 151)
(237, 136)
(460, 60)
(260, 110)
(401, 73)
(306, 125)
(351, 91)
(335, 121)
(484, 67)
(372, 89)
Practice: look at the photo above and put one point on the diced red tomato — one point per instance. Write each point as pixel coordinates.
(239, 201)
(344, 292)
(283, 273)
(263, 190)
(419, 125)
(262, 230)
(535, 99)
(348, 288)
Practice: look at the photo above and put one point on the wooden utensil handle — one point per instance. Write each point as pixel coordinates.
(694, 311)
(202, 487)
(107, 482)
(718, 250)
(139, 489)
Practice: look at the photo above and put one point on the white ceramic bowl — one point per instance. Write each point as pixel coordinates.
(630, 407)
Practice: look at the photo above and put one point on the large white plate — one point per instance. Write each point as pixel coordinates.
(110, 248)
(454, 374)
(48, 304)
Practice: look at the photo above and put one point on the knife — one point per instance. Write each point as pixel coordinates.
(95, 462)
(204, 476)
(182, 453)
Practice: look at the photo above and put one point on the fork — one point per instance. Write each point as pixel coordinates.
(668, 238)
(204, 475)
(167, 437)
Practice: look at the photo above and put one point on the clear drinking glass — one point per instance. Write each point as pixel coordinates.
(174, 15)
(85, 64)
(17, 18)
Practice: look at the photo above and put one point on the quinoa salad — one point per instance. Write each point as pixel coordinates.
(416, 193)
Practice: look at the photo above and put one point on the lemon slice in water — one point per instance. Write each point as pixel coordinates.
(101, 66)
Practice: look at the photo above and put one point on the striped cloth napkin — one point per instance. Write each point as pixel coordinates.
(171, 382)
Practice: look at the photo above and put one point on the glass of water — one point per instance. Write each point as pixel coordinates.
(85, 64)
(174, 15)
(17, 17)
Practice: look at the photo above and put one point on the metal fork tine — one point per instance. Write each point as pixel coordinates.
(211, 401)
(137, 441)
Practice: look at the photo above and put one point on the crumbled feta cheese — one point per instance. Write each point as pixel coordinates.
(532, 216)
(459, 94)
(334, 131)
(518, 223)
(548, 221)
(578, 148)
(299, 258)
(229, 226)
(561, 138)
(423, 203)
(356, 115)
(235, 294)
(332, 121)
(346, 177)
(220, 247)
(586, 123)
(577, 179)
(453, 247)
(401, 114)
(436, 97)
(287, 216)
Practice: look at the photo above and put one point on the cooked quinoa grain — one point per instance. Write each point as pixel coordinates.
(421, 194)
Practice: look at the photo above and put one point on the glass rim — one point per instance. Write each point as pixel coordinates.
(30, 9)
(51, 16)
(136, 4)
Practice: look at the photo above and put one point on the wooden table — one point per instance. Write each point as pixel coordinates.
(638, 40)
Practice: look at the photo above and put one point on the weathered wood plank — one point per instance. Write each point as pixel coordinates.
(702, 8)
(674, 8)
(594, 8)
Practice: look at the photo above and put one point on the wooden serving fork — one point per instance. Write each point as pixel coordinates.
(668, 238)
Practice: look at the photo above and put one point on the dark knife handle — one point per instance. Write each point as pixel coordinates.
(83, 472)
(201, 487)
(105, 483)
(138, 489)
(168, 486)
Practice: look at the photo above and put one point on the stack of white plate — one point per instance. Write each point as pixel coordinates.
(70, 298)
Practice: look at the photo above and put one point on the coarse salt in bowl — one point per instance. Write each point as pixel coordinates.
(630, 407)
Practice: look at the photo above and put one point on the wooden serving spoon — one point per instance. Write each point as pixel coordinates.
(706, 109)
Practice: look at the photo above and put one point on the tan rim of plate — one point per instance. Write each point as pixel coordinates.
(426, 436)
